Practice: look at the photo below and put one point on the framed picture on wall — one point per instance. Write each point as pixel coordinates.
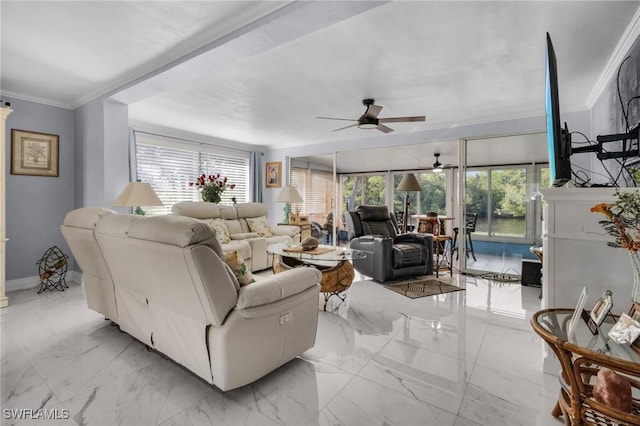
(273, 176)
(34, 154)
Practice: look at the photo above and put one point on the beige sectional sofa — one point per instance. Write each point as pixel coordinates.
(238, 220)
(163, 281)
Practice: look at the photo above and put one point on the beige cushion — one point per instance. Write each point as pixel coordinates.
(259, 225)
(251, 210)
(239, 268)
(222, 233)
(197, 210)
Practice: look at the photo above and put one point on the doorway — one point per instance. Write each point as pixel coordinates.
(500, 210)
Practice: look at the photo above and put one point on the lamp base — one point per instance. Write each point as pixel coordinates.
(287, 213)
(406, 214)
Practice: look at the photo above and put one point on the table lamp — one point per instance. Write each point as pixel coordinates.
(407, 184)
(288, 195)
(137, 194)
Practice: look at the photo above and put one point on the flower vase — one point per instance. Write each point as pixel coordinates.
(209, 194)
(635, 264)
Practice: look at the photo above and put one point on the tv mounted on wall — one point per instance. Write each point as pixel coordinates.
(558, 138)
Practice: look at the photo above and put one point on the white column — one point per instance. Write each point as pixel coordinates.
(4, 113)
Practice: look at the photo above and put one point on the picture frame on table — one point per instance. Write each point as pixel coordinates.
(602, 308)
(34, 153)
(273, 174)
(577, 313)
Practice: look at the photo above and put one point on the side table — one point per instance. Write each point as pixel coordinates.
(305, 228)
(442, 255)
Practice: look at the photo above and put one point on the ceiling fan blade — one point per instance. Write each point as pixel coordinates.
(333, 118)
(402, 119)
(342, 128)
(384, 129)
(373, 111)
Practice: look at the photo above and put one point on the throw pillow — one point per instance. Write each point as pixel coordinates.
(239, 268)
(222, 232)
(260, 226)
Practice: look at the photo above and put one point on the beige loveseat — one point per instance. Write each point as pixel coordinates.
(251, 246)
(162, 280)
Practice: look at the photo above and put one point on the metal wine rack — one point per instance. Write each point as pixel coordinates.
(52, 269)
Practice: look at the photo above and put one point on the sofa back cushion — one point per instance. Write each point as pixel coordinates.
(251, 210)
(228, 212)
(371, 220)
(237, 226)
(198, 210)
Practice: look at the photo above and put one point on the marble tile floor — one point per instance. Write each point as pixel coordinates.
(464, 358)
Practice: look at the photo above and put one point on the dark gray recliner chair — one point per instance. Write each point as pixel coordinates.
(389, 255)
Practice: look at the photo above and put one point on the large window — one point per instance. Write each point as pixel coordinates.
(432, 197)
(363, 189)
(169, 166)
(498, 196)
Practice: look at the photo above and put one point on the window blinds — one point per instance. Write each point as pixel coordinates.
(170, 166)
(315, 188)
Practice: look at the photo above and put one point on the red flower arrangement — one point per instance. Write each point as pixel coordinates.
(212, 186)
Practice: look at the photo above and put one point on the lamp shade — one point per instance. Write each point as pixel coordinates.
(137, 194)
(409, 183)
(288, 194)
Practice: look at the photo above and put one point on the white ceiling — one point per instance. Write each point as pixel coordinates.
(260, 72)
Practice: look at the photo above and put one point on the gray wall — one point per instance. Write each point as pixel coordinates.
(606, 114)
(102, 152)
(36, 206)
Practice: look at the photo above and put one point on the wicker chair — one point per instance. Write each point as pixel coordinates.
(580, 365)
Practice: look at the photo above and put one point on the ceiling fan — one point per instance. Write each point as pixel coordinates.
(370, 120)
(438, 166)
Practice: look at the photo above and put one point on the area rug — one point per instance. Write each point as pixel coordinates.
(422, 287)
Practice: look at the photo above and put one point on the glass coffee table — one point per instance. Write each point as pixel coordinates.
(333, 262)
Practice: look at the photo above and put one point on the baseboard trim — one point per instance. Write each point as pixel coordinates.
(34, 282)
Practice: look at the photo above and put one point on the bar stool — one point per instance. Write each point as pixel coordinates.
(469, 226)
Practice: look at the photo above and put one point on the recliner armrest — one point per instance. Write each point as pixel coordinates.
(424, 239)
(277, 287)
(370, 238)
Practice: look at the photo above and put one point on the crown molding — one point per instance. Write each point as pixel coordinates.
(35, 99)
(630, 35)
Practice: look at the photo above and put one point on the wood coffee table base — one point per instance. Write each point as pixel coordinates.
(335, 279)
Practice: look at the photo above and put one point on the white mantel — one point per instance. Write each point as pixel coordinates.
(4, 113)
(576, 254)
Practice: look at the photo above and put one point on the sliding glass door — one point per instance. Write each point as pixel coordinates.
(368, 189)
(501, 178)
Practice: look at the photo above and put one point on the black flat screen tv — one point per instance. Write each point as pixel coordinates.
(558, 138)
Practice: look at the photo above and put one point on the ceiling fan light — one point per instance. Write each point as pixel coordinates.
(437, 166)
(366, 122)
